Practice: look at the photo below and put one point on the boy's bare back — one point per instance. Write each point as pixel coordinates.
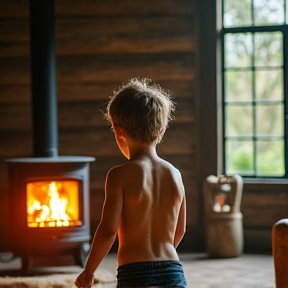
(152, 193)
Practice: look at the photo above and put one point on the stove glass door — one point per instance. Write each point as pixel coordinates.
(53, 203)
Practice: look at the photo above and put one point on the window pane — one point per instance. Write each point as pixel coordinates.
(239, 120)
(238, 85)
(268, 12)
(286, 11)
(270, 158)
(237, 13)
(269, 120)
(268, 49)
(239, 157)
(269, 85)
(238, 49)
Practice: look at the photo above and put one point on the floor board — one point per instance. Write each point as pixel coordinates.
(246, 271)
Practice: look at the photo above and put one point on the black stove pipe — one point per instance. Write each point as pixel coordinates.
(43, 73)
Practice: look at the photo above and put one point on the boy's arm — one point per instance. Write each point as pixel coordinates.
(107, 229)
(181, 224)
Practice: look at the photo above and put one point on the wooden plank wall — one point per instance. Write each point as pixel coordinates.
(262, 206)
(98, 45)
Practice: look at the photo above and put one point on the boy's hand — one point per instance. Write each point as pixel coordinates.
(84, 280)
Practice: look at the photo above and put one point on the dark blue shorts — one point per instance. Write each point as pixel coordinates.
(166, 274)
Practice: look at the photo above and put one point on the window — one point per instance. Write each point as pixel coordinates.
(254, 64)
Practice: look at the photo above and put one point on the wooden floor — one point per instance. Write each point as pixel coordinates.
(246, 271)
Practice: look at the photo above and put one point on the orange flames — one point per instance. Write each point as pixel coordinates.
(53, 204)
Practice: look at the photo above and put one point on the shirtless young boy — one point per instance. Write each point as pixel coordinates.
(144, 198)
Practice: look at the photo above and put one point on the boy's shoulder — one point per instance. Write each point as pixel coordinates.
(120, 174)
(123, 168)
(116, 169)
(136, 166)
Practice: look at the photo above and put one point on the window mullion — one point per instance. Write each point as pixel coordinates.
(252, 13)
(285, 12)
(223, 101)
(285, 56)
(254, 106)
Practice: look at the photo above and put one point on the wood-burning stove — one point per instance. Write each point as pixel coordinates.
(49, 207)
(49, 194)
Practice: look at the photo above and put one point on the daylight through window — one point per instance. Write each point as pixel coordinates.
(254, 35)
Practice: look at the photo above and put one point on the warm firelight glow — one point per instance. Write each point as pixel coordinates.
(53, 204)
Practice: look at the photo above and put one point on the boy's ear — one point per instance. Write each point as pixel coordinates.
(118, 130)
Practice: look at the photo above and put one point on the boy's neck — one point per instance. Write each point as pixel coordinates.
(138, 150)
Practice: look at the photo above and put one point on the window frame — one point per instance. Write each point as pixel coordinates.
(210, 90)
(283, 28)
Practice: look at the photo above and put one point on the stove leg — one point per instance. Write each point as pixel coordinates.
(81, 253)
(25, 259)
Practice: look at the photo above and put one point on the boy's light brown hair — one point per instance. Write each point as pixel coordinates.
(142, 108)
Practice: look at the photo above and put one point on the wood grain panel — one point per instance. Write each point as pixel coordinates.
(262, 210)
(124, 8)
(124, 35)
(82, 114)
(91, 113)
(15, 94)
(87, 141)
(14, 38)
(193, 209)
(278, 199)
(186, 165)
(105, 35)
(176, 141)
(93, 141)
(15, 116)
(76, 114)
(170, 66)
(15, 143)
(184, 111)
(11, 9)
(90, 141)
(14, 71)
(83, 69)
(89, 91)
(98, 90)
(260, 217)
